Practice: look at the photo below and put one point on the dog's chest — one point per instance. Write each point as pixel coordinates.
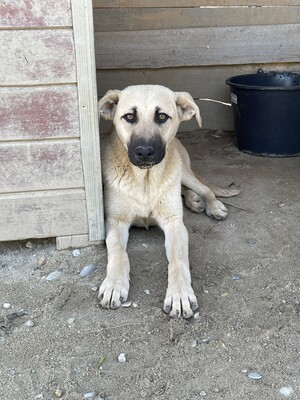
(141, 196)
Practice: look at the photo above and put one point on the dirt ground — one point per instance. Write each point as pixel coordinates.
(56, 342)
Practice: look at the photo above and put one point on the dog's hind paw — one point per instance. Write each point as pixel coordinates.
(180, 303)
(112, 294)
(193, 201)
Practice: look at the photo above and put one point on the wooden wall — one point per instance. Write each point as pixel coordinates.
(194, 46)
(44, 175)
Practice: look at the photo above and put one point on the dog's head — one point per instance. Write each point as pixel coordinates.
(146, 119)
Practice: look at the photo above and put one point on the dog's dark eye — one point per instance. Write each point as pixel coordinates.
(131, 118)
(161, 118)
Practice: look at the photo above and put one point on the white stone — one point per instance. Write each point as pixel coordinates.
(254, 375)
(53, 276)
(121, 358)
(286, 391)
(76, 253)
(87, 270)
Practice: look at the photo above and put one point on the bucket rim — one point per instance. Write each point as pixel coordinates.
(263, 88)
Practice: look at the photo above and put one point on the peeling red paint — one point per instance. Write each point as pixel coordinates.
(40, 166)
(37, 56)
(39, 112)
(35, 13)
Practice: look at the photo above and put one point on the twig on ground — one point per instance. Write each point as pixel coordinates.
(239, 208)
(171, 332)
(211, 228)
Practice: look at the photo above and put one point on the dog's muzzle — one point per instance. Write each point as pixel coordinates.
(146, 152)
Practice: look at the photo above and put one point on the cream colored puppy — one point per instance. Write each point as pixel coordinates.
(144, 170)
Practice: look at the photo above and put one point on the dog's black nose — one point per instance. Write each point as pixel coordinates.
(144, 153)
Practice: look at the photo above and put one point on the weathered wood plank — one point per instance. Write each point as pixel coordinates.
(130, 19)
(42, 214)
(41, 165)
(74, 242)
(189, 3)
(35, 13)
(206, 82)
(198, 46)
(37, 57)
(39, 112)
(88, 112)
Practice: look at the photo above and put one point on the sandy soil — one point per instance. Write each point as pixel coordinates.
(56, 342)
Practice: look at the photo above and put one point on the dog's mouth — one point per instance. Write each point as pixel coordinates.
(145, 153)
(145, 166)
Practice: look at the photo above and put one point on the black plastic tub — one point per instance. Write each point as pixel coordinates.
(266, 111)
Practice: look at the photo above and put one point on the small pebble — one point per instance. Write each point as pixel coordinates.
(205, 340)
(121, 358)
(89, 395)
(101, 360)
(197, 315)
(21, 312)
(58, 393)
(29, 323)
(71, 321)
(53, 276)
(254, 375)
(30, 245)
(286, 391)
(135, 305)
(236, 277)
(41, 260)
(6, 305)
(194, 343)
(251, 241)
(76, 253)
(224, 294)
(127, 304)
(244, 370)
(282, 205)
(94, 288)
(87, 270)
(202, 393)
(146, 291)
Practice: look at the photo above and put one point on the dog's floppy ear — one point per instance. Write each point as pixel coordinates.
(187, 108)
(108, 104)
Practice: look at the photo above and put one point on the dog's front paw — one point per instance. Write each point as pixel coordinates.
(180, 302)
(113, 292)
(216, 209)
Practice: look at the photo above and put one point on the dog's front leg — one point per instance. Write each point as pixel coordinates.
(115, 287)
(180, 298)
